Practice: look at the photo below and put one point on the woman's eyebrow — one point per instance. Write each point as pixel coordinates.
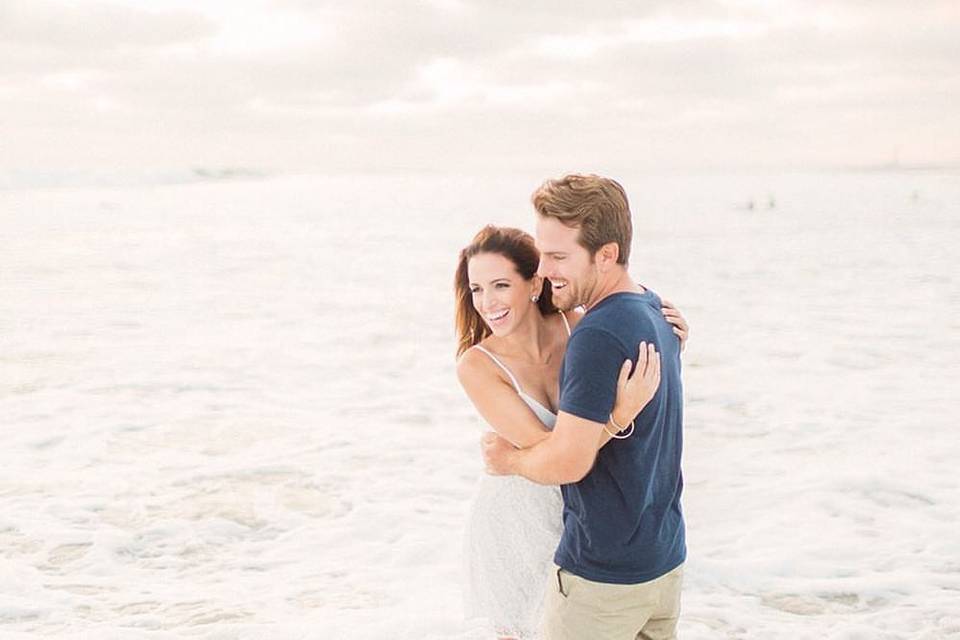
(494, 281)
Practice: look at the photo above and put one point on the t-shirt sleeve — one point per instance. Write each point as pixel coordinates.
(591, 367)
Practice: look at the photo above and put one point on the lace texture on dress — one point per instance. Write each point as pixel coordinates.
(512, 533)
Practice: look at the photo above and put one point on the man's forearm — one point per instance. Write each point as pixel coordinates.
(549, 462)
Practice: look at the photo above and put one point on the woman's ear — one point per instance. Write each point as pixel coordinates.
(537, 284)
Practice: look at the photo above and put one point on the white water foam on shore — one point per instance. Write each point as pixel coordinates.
(228, 410)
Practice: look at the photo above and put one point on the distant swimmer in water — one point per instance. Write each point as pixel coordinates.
(754, 203)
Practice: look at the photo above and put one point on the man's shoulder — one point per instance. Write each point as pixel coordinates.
(622, 311)
(592, 328)
(627, 322)
(594, 339)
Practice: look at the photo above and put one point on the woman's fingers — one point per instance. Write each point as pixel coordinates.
(653, 362)
(624, 374)
(680, 327)
(641, 360)
(674, 318)
(642, 385)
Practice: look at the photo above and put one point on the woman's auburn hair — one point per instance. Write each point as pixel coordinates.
(515, 245)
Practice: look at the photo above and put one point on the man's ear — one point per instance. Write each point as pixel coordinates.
(606, 256)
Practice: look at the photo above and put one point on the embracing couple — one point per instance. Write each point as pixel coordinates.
(587, 401)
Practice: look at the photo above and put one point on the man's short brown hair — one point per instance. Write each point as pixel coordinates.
(596, 205)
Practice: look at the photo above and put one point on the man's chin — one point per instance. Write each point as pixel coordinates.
(563, 304)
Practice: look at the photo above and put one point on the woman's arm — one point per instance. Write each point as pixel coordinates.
(498, 402)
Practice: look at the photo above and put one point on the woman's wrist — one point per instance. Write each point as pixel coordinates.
(617, 423)
(619, 429)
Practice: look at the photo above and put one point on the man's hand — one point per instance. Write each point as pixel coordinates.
(497, 454)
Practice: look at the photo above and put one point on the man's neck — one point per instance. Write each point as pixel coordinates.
(618, 282)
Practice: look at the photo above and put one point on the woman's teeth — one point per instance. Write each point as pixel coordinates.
(497, 316)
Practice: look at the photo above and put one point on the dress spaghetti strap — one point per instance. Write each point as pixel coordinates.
(516, 385)
(566, 322)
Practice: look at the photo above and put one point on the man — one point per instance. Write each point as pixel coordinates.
(620, 559)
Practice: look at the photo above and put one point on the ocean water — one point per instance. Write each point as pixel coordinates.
(229, 409)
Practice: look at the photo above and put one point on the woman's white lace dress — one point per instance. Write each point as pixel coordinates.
(512, 533)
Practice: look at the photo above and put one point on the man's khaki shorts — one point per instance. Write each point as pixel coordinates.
(580, 609)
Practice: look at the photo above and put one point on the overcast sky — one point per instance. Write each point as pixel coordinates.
(478, 85)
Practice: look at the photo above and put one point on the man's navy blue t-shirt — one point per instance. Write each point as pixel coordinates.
(622, 523)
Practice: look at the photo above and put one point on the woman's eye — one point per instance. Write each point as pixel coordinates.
(474, 291)
(502, 285)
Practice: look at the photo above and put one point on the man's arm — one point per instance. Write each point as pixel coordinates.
(563, 457)
(592, 362)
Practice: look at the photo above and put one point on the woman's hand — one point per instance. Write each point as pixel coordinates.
(680, 327)
(634, 392)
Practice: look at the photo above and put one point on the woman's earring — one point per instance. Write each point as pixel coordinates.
(534, 298)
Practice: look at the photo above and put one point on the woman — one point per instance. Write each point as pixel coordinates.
(511, 343)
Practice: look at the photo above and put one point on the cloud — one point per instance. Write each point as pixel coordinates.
(93, 26)
(333, 83)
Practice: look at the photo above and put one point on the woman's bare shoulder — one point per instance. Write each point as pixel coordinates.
(476, 366)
